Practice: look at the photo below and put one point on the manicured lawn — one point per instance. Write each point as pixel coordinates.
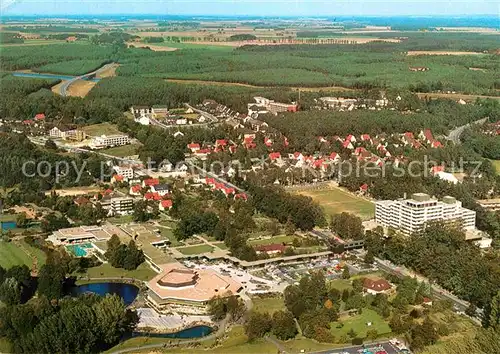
(221, 245)
(307, 345)
(335, 200)
(204, 248)
(169, 234)
(125, 219)
(272, 240)
(38, 253)
(270, 304)
(143, 272)
(101, 129)
(496, 164)
(359, 324)
(122, 151)
(11, 255)
(340, 284)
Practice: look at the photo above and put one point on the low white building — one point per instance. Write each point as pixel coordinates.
(105, 141)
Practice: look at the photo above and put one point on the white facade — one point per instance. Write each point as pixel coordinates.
(104, 141)
(126, 172)
(412, 215)
(122, 205)
(56, 133)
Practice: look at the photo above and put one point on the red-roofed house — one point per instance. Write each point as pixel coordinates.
(220, 142)
(150, 182)
(363, 188)
(268, 142)
(426, 134)
(210, 181)
(376, 286)
(228, 190)
(135, 190)
(242, 196)
(334, 157)
(117, 179)
(27, 122)
(436, 144)
(165, 204)
(359, 150)
(270, 249)
(366, 137)
(194, 147)
(152, 196)
(437, 169)
(274, 156)
(40, 116)
(347, 144)
(71, 39)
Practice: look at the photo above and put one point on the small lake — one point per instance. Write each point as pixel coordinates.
(128, 292)
(7, 225)
(193, 332)
(49, 76)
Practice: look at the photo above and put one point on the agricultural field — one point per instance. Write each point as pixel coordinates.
(79, 88)
(335, 200)
(72, 67)
(101, 129)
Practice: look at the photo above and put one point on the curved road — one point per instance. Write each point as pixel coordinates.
(63, 89)
(455, 134)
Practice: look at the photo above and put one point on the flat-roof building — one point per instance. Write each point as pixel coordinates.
(412, 215)
(184, 290)
(103, 141)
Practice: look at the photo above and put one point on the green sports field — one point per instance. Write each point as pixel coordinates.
(335, 200)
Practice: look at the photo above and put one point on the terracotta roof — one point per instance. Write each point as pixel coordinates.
(376, 284)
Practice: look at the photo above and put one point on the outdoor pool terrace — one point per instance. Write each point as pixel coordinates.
(79, 250)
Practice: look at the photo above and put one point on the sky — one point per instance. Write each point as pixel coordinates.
(251, 7)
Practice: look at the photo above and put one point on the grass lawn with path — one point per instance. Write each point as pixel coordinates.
(335, 200)
(12, 255)
(340, 284)
(101, 129)
(359, 324)
(199, 249)
(143, 272)
(268, 304)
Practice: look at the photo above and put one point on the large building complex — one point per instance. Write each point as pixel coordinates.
(183, 290)
(104, 141)
(412, 215)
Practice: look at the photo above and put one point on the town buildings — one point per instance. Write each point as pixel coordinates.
(412, 215)
(122, 205)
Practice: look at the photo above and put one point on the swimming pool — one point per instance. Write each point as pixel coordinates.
(79, 250)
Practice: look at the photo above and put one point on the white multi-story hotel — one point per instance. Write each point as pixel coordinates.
(412, 215)
(125, 171)
(104, 141)
(122, 205)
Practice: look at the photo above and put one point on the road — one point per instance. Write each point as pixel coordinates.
(63, 89)
(455, 134)
(399, 271)
(388, 347)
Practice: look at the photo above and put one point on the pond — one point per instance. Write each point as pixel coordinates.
(7, 225)
(193, 332)
(128, 292)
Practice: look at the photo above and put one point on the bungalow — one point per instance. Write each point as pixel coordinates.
(268, 142)
(249, 143)
(334, 157)
(366, 137)
(376, 286)
(363, 188)
(347, 145)
(241, 196)
(165, 205)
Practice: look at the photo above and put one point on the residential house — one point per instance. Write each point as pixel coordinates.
(376, 286)
(162, 189)
(165, 205)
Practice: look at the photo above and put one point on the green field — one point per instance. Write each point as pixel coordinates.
(268, 304)
(204, 248)
(340, 284)
(11, 255)
(272, 240)
(143, 272)
(335, 200)
(359, 324)
(122, 151)
(101, 129)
